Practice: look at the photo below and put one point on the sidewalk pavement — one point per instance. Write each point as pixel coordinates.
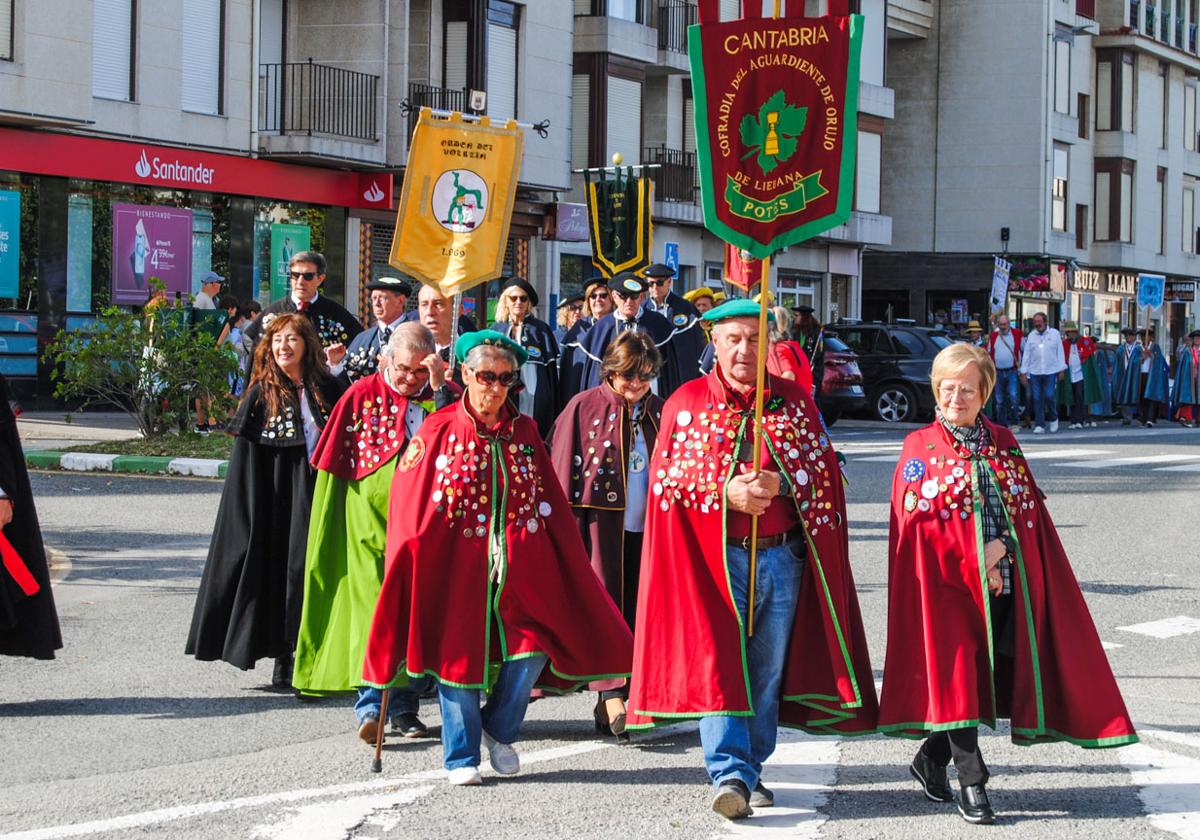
(44, 434)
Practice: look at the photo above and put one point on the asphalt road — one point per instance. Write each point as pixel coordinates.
(123, 736)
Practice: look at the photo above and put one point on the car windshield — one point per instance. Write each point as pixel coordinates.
(940, 340)
(836, 344)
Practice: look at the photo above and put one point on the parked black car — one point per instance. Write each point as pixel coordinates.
(895, 360)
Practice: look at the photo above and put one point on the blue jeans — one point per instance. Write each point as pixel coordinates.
(736, 747)
(1007, 398)
(463, 722)
(404, 700)
(1044, 391)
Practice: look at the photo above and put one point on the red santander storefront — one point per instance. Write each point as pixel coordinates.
(86, 222)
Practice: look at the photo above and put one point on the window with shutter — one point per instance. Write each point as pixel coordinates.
(624, 120)
(455, 71)
(731, 9)
(866, 186)
(201, 59)
(6, 30)
(580, 119)
(502, 72)
(112, 49)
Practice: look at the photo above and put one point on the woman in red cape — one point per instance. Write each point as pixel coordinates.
(985, 617)
(487, 579)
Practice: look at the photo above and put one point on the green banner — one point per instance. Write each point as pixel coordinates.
(619, 217)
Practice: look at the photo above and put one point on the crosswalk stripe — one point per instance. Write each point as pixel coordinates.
(1135, 461)
(875, 459)
(1166, 628)
(1180, 468)
(1036, 455)
(1166, 783)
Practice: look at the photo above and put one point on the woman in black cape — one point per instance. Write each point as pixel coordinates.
(248, 605)
(28, 622)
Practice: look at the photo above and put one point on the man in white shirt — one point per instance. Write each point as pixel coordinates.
(1042, 366)
(210, 286)
(1004, 346)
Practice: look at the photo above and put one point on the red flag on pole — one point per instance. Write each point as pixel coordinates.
(741, 269)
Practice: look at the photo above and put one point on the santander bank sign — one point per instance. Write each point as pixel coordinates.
(176, 170)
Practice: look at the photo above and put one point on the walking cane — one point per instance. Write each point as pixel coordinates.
(377, 764)
(761, 375)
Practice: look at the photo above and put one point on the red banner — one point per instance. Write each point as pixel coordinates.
(741, 269)
(776, 104)
(47, 153)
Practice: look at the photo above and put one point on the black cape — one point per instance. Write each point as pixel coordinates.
(28, 624)
(333, 323)
(539, 397)
(252, 590)
(588, 354)
(690, 339)
(568, 371)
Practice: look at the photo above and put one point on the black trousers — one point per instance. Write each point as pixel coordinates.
(961, 745)
(1148, 410)
(1079, 411)
(633, 569)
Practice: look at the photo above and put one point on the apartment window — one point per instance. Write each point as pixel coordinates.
(203, 55)
(1115, 83)
(1191, 83)
(113, 45)
(1189, 214)
(1084, 114)
(1164, 100)
(1160, 210)
(502, 27)
(1114, 200)
(867, 179)
(6, 29)
(624, 131)
(623, 9)
(580, 96)
(1081, 226)
(1058, 199)
(731, 9)
(1062, 70)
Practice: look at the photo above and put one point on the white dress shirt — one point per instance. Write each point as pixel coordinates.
(1042, 353)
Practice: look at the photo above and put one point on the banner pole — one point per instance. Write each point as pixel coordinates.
(760, 382)
(454, 330)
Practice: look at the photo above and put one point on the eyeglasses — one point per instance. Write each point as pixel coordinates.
(643, 376)
(519, 298)
(575, 308)
(410, 373)
(307, 275)
(949, 391)
(487, 377)
(597, 295)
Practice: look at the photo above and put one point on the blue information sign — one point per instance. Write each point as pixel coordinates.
(10, 243)
(671, 257)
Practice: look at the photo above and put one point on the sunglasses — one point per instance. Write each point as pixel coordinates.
(488, 377)
(307, 275)
(637, 377)
(597, 295)
(518, 298)
(575, 308)
(630, 296)
(662, 282)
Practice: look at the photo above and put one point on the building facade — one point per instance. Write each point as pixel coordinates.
(1059, 135)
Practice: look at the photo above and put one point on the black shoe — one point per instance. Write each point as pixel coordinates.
(974, 806)
(932, 778)
(281, 677)
(762, 796)
(732, 800)
(408, 725)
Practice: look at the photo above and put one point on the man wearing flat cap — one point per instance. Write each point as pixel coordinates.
(690, 337)
(631, 313)
(538, 395)
(389, 296)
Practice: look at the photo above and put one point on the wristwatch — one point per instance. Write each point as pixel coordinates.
(1010, 545)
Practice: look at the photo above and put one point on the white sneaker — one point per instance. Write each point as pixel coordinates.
(1038, 430)
(464, 776)
(505, 760)
(1053, 426)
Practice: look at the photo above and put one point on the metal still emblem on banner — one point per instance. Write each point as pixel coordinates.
(456, 206)
(776, 125)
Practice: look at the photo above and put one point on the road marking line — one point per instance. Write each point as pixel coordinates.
(801, 772)
(1166, 785)
(1181, 468)
(336, 819)
(1110, 645)
(1166, 628)
(1061, 453)
(200, 809)
(1167, 735)
(1130, 462)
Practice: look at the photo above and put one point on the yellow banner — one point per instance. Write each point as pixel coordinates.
(457, 202)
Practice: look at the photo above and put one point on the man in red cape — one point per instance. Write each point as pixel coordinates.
(958, 656)
(487, 579)
(806, 664)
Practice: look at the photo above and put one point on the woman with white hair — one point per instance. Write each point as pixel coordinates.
(356, 456)
(488, 586)
(985, 617)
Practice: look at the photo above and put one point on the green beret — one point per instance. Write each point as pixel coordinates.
(467, 343)
(736, 309)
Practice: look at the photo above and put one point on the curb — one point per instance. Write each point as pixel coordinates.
(140, 464)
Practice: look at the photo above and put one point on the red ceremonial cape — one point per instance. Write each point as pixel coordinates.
(689, 651)
(458, 489)
(940, 666)
(365, 430)
(1087, 348)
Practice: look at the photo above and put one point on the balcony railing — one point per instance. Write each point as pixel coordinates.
(427, 96)
(676, 179)
(308, 98)
(673, 19)
(1086, 8)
